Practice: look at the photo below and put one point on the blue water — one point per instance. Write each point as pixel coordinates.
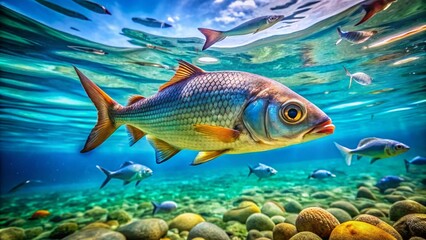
(46, 116)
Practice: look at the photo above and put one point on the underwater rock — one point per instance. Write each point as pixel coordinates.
(340, 214)
(96, 212)
(293, 206)
(347, 206)
(98, 225)
(357, 230)
(278, 219)
(284, 231)
(267, 234)
(186, 221)
(375, 221)
(291, 218)
(411, 225)
(17, 222)
(271, 208)
(208, 231)
(309, 218)
(259, 221)
(305, 236)
(120, 215)
(147, 229)
(254, 234)
(405, 189)
(63, 230)
(237, 229)
(241, 213)
(31, 233)
(364, 192)
(419, 199)
(12, 233)
(95, 233)
(393, 198)
(373, 212)
(321, 195)
(402, 208)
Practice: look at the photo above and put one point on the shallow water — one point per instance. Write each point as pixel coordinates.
(46, 115)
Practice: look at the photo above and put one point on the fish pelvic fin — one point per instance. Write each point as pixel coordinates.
(135, 134)
(374, 160)
(184, 71)
(163, 150)
(105, 106)
(250, 170)
(107, 173)
(407, 165)
(346, 152)
(338, 41)
(155, 206)
(212, 37)
(206, 156)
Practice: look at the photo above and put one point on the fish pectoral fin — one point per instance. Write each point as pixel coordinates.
(373, 160)
(369, 12)
(184, 71)
(137, 183)
(203, 157)
(163, 150)
(358, 157)
(126, 182)
(226, 135)
(135, 134)
(135, 99)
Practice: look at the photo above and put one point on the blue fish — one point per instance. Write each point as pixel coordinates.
(128, 172)
(23, 184)
(321, 174)
(389, 182)
(166, 206)
(262, 171)
(415, 161)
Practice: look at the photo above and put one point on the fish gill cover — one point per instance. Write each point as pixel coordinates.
(47, 185)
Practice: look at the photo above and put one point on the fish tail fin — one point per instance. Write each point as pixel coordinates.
(105, 105)
(250, 170)
(348, 74)
(107, 173)
(346, 152)
(212, 37)
(155, 210)
(339, 40)
(339, 31)
(407, 165)
(369, 12)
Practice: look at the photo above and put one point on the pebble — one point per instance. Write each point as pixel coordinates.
(12, 233)
(375, 221)
(293, 206)
(208, 231)
(402, 208)
(305, 236)
(120, 215)
(63, 230)
(271, 208)
(186, 221)
(96, 233)
(340, 214)
(259, 221)
(356, 230)
(284, 231)
(147, 229)
(411, 225)
(309, 219)
(364, 192)
(347, 206)
(241, 214)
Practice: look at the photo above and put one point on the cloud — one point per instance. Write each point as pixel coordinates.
(170, 19)
(225, 19)
(218, 1)
(242, 5)
(237, 10)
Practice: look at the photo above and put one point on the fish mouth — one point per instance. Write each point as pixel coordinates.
(323, 128)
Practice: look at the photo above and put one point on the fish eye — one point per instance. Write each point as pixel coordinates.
(293, 112)
(272, 18)
(398, 147)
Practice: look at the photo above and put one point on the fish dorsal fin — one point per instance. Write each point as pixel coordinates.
(134, 99)
(184, 71)
(226, 135)
(366, 140)
(203, 157)
(163, 150)
(127, 163)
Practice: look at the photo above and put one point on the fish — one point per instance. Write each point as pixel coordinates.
(418, 160)
(75, 29)
(375, 148)
(151, 64)
(262, 171)
(128, 172)
(215, 113)
(89, 50)
(166, 206)
(389, 182)
(252, 26)
(92, 6)
(359, 77)
(62, 10)
(355, 37)
(39, 214)
(151, 22)
(321, 174)
(23, 184)
(372, 7)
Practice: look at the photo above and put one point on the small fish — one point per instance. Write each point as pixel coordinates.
(23, 184)
(165, 207)
(321, 174)
(88, 50)
(355, 37)
(95, 7)
(415, 161)
(151, 22)
(372, 7)
(389, 182)
(215, 113)
(150, 64)
(39, 214)
(62, 10)
(75, 29)
(252, 26)
(359, 77)
(262, 171)
(375, 148)
(128, 172)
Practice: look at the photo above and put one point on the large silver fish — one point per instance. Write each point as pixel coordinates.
(128, 172)
(359, 77)
(252, 26)
(356, 37)
(211, 112)
(375, 148)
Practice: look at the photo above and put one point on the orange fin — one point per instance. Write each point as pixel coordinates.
(369, 12)
(212, 37)
(163, 150)
(135, 134)
(204, 157)
(184, 71)
(134, 99)
(226, 135)
(104, 104)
